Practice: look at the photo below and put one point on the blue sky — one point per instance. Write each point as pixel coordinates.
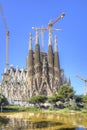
(21, 15)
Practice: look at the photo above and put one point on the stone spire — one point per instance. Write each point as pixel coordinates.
(50, 37)
(30, 42)
(37, 63)
(56, 59)
(69, 81)
(30, 57)
(50, 54)
(55, 44)
(37, 55)
(37, 37)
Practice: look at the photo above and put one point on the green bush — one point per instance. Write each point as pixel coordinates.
(74, 106)
(85, 106)
(51, 108)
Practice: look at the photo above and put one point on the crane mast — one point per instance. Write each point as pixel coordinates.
(85, 81)
(7, 35)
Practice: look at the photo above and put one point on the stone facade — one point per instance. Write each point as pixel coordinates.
(42, 75)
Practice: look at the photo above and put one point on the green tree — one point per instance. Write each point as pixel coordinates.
(52, 99)
(59, 97)
(3, 101)
(78, 98)
(66, 92)
(84, 99)
(38, 99)
(74, 106)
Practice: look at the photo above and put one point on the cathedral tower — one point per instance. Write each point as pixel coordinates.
(56, 64)
(50, 60)
(37, 63)
(30, 67)
(30, 59)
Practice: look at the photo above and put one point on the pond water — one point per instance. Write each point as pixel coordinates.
(42, 121)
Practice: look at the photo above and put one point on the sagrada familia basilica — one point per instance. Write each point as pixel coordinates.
(42, 75)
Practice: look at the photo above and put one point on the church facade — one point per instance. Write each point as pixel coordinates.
(42, 75)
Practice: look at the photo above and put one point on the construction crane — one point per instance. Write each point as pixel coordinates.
(49, 27)
(43, 29)
(7, 35)
(50, 24)
(85, 80)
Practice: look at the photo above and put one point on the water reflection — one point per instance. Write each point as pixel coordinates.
(42, 121)
(66, 129)
(4, 120)
(45, 124)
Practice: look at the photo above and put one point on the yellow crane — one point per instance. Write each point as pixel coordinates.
(85, 80)
(7, 35)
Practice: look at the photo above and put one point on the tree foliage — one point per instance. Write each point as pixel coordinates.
(84, 99)
(55, 98)
(38, 99)
(66, 92)
(3, 100)
(78, 98)
(52, 99)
